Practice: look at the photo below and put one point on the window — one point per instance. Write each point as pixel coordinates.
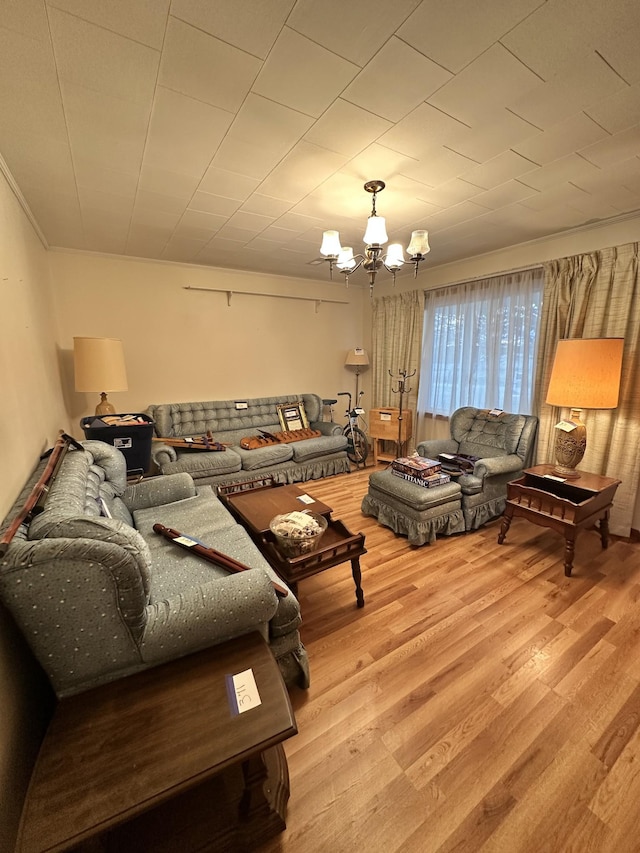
(479, 344)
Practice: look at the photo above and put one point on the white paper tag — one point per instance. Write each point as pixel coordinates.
(496, 412)
(306, 499)
(551, 477)
(566, 426)
(385, 416)
(185, 540)
(242, 405)
(243, 692)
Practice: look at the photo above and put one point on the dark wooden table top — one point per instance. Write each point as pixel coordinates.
(257, 507)
(115, 751)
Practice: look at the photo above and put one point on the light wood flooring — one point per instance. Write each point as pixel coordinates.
(480, 700)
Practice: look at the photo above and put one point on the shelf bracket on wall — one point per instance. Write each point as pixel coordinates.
(230, 293)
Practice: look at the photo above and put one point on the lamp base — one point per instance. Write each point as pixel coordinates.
(570, 446)
(104, 407)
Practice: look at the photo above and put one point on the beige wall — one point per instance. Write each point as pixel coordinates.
(185, 345)
(32, 413)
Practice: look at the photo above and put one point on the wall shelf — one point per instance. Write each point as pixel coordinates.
(318, 300)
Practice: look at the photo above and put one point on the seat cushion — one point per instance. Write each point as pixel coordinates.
(312, 448)
(263, 457)
(200, 464)
(417, 497)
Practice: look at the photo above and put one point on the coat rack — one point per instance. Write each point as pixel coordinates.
(402, 389)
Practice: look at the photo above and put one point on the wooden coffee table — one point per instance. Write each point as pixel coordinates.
(255, 503)
(162, 761)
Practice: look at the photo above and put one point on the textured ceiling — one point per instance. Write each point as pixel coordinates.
(233, 133)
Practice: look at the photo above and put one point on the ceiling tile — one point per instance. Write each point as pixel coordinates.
(250, 221)
(395, 81)
(93, 176)
(227, 184)
(265, 205)
(355, 30)
(561, 33)
(107, 202)
(567, 92)
(507, 193)
(563, 138)
(620, 146)
(27, 17)
(29, 88)
(101, 60)
(210, 203)
(252, 25)
(496, 132)
(492, 81)
(346, 128)
(143, 21)
(301, 171)
(183, 130)
(439, 167)
(498, 170)
(618, 111)
(570, 168)
(176, 184)
(450, 192)
(556, 196)
(422, 130)
(183, 249)
(206, 68)
(479, 25)
(320, 75)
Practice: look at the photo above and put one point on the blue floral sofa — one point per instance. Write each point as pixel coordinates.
(98, 595)
(232, 420)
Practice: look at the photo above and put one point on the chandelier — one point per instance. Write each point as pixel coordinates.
(374, 238)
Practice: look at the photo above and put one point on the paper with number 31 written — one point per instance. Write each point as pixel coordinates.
(243, 692)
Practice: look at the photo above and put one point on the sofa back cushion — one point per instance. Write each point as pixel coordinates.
(225, 419)
(72, 511)
(479, 433)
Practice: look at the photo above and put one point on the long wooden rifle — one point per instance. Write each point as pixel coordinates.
(38, 495)
(209, 554)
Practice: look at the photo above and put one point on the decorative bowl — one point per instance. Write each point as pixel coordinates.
(298, 533)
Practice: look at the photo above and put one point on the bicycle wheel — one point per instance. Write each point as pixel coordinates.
(358, 446)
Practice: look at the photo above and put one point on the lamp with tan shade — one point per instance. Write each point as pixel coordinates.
(99, 366)
(585, 375)
(358, 359)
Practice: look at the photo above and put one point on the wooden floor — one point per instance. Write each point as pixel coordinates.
(480, 700)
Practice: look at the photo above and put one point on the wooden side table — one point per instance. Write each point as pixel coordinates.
(162, 761)
(562, 505)
(383, 426)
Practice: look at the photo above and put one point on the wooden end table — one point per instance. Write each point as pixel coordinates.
(161, 761)
(562, 505)
(255, 503)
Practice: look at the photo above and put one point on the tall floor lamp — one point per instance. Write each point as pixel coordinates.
(99, 366)
(585, 375)
(358, 359)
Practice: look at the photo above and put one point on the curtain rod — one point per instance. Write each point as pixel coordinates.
(480, 277)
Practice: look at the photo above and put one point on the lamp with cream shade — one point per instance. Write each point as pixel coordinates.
(359, 360)
(99, 366)
(585, 375)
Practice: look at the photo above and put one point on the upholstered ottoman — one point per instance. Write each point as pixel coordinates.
(414, 511)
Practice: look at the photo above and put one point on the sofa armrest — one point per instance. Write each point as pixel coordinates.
(158, 491)
(207, 614)
(431, 449)
(162, 454)
(327, 427)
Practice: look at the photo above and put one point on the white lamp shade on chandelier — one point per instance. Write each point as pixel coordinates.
(375, 237)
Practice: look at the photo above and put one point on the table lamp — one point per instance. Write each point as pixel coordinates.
(585, 375)
(358, 359)
(99, 366)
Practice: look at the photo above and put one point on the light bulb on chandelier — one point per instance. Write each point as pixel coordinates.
(374, 238)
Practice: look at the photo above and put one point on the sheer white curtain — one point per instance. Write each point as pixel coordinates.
(479, 344)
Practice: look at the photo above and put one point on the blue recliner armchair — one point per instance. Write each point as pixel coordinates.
(504, 444)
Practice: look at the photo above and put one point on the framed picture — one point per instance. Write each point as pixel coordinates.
(292, 416)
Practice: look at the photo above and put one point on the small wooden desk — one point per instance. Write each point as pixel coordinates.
(385, 425)
(159, 761)
(562, 505)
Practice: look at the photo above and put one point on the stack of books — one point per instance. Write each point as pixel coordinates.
(420, 470)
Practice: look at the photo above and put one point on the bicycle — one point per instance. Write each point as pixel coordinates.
(357, 444)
